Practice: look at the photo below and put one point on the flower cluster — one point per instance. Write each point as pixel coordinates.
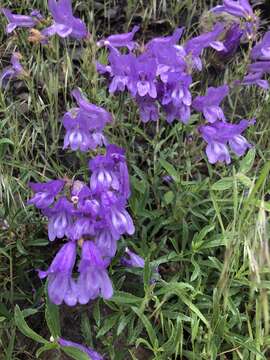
(84, 125)
(241, 14)
(157, 75)
(260, 54)
(160, 75)
(160, 72)
(93, 216)
(220, 133)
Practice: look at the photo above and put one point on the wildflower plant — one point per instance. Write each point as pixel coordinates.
(88, 217)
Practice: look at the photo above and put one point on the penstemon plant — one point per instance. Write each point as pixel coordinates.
(92, 217)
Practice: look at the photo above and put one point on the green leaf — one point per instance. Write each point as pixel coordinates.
(52, 318)
(170, 170)
(168, 197)
(108, 323)
(148, 326)
(247, 162)
(194, 309)
(5, 141)
(199, 237)
(124, 320)
(121, 297)
(223, 184)
(25, 329)
(75, 353)
(46, 347)
(244, 180)
(176, 339)
(146, 274)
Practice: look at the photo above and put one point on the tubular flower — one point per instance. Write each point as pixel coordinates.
(120, 40)
(18, 20)
(221, 134)
(93, 355)
(13, 71)
(61, 286)
(209, 104)
(65, 24)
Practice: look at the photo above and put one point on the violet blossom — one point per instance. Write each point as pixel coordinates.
(166, 40)
(109, 172)
(240, 9)
(13, 71)
(93, 279)
(45, 193)
(93, 355)
(65, 23)
(231, 41)
(221, 134)
(176, 98)
(255, 79)
(261, 51)
(132, 259)
(61, 286)
(60, 218)
(209, 103)
(116, 216)
(122, 68)
(120, 40)
(196, 45)
(148, 108)
(18, 20)
(84, 125)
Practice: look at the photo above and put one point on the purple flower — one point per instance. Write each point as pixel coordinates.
(177, 97)
(166, 40)
(97, 113)
(261, 51)
(81, 131)
(13, 71)
(37, 14)
(168, 55)
(105, 241)
(144, 77)
(122, 69)
(196, 45)
(45, 193)
(110, 172)
(219, 134)
(18, 20)
(118, 219)
(83, 225)
(120, 40)
(262, 67)
(93, 279)
(148, 108)
(61, 286)
(255, 79)
(93, 355)
(65, 23)
(84, 125)
(60, 218)
(209, 104)
(238, 8)
(231, 42)
(133, 260)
